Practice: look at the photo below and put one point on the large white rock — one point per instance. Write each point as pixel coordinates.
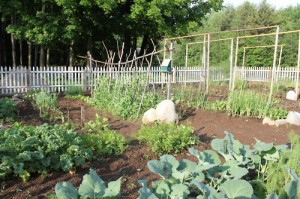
(291, 95)
(293, 118)
(268, 121)
(149, 116)
(165, 112)
(280, 122)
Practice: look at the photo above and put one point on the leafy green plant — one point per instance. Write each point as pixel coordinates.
(7, 109)
(123, 98)
(99, 137)
(212, 178)
(252, 104)
(29, 149)
(276, 113)
(96, 126)
(167, 138)
(46, 102)
(105, 143)
(277, 174)
(92, 186)
(216, 106)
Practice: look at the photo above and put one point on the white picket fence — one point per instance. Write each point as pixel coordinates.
(57, 79)
(264, 74)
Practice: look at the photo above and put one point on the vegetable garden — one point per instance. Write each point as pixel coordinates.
(76, 145)
(90, 143)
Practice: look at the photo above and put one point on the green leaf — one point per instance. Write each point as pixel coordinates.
(145, 192)
(65, 190)
(113, 188)
(272, 196)
(293, 187)
(262, 146)
(210, 156)
(179, 191)
(163, 167)
(92, 185)
(157, 167)
(163, 189)
(239, 189)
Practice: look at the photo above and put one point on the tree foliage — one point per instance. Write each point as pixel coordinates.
(60, 25)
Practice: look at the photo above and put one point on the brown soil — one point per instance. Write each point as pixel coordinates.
(132, 164)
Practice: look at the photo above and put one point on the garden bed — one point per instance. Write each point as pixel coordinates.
(132, 163)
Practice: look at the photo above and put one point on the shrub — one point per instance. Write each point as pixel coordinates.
(7, 109)
(29, 149)
(167, 138)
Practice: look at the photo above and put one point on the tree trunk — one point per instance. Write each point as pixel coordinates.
(28, 67)
(3, 43)
(71, 54)
(21, 53)
(29, 55)
(48, 57)
(13, 49)
(42, 56)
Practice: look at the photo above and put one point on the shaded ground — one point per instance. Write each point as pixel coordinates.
(132, 164)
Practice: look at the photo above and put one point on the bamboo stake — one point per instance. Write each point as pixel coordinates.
(298, 71)
(207, 63)
(186, 63)
(231, 63)
(227, 31)
(243, 66)
(268, 34)
(215, 40)
(235, 62)
(165, 43)
(263, 46)
(169, 74)
(203, 63)
(274, 65)
(280, 55)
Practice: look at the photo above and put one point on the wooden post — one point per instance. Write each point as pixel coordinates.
(231, 64)
(235, 63)
(203, 63)
(274, 66)
(207, 63)
(298, 71)
(169, 74)
(280, 55)
(186, 62)
(243, 67)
